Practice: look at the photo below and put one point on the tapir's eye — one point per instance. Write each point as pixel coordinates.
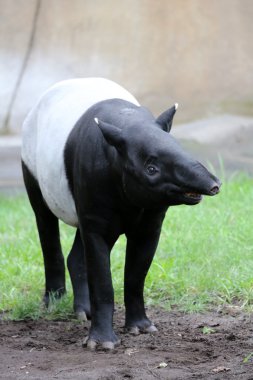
(151, 170)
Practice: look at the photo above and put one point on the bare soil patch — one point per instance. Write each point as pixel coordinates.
(180, 350)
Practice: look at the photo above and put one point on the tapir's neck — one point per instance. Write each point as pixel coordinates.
(117, 176)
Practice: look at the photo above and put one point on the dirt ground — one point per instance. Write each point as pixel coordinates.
(180, 350)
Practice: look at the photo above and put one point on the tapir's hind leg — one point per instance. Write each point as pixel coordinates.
(78, 274)
(48, 228)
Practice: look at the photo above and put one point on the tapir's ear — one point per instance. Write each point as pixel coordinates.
(112, 134)
(166, 118)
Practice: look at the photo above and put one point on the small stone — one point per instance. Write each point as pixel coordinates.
(162, 365)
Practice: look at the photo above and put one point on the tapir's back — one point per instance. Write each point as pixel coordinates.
(46, 129)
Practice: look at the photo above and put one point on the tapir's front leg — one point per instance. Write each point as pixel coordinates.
(141, 247)
(98, 250)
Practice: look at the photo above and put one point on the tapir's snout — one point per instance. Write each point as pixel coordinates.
(216, 189)
(195, 181)
(213, 185)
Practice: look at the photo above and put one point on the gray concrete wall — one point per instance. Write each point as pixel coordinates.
(196, 52)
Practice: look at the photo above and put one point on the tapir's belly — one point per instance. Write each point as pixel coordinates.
(46, 130)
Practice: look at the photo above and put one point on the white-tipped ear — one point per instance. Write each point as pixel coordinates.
(166, 118)
(112, 134)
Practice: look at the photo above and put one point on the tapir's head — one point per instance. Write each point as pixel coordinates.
(154, 169)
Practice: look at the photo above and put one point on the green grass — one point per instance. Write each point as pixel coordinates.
(204, 259)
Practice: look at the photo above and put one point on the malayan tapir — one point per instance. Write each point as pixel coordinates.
(97, 160)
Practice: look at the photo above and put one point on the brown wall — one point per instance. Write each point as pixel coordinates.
(196, 52)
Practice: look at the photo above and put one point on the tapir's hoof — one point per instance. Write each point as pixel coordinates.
(81, 316)
(93, 344)
(135, 330)
(150, 329)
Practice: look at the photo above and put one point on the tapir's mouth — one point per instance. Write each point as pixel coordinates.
(191, 196)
